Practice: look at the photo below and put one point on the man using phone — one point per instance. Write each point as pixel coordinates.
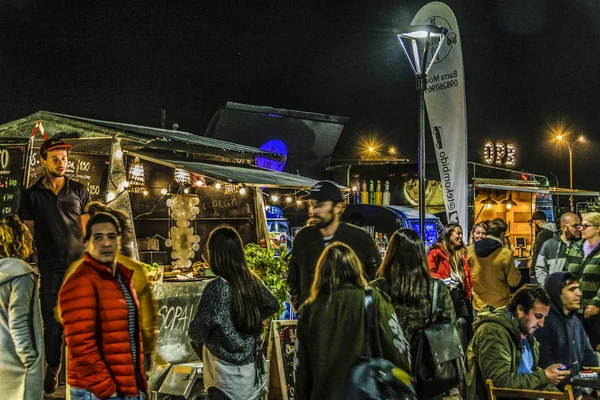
(563, 338)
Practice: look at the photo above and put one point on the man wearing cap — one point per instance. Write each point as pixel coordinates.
(52, 208)
(326, 208)
(544, 230)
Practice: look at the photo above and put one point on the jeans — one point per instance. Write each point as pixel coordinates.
(84, 394)
(50, 284)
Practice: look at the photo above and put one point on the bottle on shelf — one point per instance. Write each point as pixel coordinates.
(386, 194)
(378, 193)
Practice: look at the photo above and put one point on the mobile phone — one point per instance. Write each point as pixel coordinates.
(573, 364)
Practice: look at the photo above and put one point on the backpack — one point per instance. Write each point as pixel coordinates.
(376, 378)
(439, 363)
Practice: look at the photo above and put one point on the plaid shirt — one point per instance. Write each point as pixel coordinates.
(588, 269)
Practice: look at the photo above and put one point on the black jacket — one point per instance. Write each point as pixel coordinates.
(562, 338)
(308, 246)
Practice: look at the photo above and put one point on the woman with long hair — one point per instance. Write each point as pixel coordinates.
(448, 261)
(229, 320)
(478, 232)
(404, 276)
(583, 259)
(331, 329)
(21, 359)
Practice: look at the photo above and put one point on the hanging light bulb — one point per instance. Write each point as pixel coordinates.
(298, 202)
(242, 191)
(119, 154)
(288, 199)
(164, 191)
(110, 196)
(274, 198)
(136, 177)
(217, 185)
(145, 192)
(186, 190)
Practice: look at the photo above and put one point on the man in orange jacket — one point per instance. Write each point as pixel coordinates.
(100, 314)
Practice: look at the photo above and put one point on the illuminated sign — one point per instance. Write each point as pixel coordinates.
(272, 146)
(499, 154)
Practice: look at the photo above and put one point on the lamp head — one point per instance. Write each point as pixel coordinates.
(559, 137)
(416, 45)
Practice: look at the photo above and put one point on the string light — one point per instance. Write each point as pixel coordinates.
(217, 185)
(242, 191)
(145, 192)
(288, 199)
(186, 190)
(119, 154)
(110, 196)
(298, 202)
(164, 191)
(275, 198)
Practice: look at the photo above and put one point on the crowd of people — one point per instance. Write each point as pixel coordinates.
(88, 287)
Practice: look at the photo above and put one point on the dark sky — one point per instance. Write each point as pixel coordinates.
(527, 65)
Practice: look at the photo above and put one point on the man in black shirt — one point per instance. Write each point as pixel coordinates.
(52, 208)
(326, 208)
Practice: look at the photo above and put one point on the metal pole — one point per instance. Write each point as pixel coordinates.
(421, 86)
(571, 176)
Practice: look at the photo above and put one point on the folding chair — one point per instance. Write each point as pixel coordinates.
(496, 392)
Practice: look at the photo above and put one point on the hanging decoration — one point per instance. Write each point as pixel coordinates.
(184, 208)
(136, 178)
(182, 176)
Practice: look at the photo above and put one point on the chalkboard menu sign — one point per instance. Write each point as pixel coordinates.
(12, 174)
(215, 203)
(282, 340)
(89, 170)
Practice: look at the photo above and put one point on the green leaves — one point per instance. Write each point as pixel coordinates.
(270, 269)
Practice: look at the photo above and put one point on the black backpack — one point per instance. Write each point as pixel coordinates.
(439, 363)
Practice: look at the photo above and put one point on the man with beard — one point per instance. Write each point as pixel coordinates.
(52, 208)
(326, 208)
(504, 350)
(563, 338)
(553, 255)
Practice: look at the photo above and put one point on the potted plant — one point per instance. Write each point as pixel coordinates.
(270, 269)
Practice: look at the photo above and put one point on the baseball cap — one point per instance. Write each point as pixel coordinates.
(53, 144)
(538, 215)
(326, 190)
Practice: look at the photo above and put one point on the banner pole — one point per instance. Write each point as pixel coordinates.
(421, 86)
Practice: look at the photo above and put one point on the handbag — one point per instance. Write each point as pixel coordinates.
(439, 364)
(377, 378)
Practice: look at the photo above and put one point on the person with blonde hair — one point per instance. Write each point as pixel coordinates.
(21, 359)
(332, 331)
(583, 259)
(478, 232)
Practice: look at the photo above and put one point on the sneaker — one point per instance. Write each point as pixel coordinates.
(51, 380)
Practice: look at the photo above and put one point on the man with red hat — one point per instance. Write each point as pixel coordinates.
(52, 208)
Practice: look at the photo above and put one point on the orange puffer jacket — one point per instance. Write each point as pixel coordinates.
(95, 319)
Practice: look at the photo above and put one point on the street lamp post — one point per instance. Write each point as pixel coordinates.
(416, 45)
(570, 147)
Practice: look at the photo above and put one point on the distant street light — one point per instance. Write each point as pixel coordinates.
(560, 138)
(416, 46)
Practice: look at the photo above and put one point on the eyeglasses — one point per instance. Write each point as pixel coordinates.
(583, 227)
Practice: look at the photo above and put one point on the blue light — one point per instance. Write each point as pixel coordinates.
(272, 146)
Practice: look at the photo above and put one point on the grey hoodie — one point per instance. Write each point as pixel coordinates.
(552, 257)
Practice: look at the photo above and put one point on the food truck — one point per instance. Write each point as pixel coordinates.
(176, 187)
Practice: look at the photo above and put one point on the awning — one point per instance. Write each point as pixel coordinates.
(540, 189)
(246, 174)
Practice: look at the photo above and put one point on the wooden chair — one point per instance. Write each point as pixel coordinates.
(496, 392)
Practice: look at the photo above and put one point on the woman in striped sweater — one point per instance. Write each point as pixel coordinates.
(583, 259)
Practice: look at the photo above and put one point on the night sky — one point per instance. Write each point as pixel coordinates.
(528, 64)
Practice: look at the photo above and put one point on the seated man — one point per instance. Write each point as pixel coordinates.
(563, 338)
(504, 350)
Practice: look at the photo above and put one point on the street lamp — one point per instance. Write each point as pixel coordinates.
(570, 147)
(416, 45)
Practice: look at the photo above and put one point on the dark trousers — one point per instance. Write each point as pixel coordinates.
(50, 284)
(592, 328)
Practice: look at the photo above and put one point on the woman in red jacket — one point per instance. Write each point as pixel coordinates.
(448, 261)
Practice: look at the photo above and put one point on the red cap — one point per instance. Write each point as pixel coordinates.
(53, 144)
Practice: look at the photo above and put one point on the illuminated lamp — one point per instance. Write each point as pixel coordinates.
(509, 202)
(136, 177)
(488, 202)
